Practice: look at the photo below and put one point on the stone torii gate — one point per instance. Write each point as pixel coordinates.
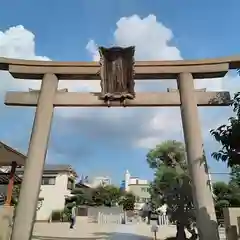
(49, 97)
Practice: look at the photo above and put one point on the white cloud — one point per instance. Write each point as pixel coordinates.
(17, 42)
(153, 42)
(93, 49)
(150, 37)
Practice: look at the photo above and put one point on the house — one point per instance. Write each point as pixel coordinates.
(139, 187)
(57, 184)
(10, 159)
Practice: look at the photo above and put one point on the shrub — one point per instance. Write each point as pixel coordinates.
(66, 214)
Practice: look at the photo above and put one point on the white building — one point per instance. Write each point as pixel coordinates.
(139, 187)
(57, 183)
(100, 181)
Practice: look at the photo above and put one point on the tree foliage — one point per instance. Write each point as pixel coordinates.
(169, 153)
(227, 194)
(222, 197)
(171, 184)
(235, 176)
(106, 195)
(228, 135)
(82, 196)
(127, 200)
(103, 196)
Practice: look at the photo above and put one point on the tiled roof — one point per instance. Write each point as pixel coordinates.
(9, 154)
(54, 168)
(4, 178)
(57, 167)
(83, 185)
(5, 160)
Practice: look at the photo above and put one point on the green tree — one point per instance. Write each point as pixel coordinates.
(235, 176)
(127, 201)
(226, 195)
(234, 185)
(113, 194)
(171, 184)
(106, 195)
(169, 153)
(222, 197)
(82, 196)
(228, 135)
(102, 195)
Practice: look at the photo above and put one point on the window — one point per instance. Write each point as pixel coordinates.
(48, 180)
(143, 189)
(70, 184)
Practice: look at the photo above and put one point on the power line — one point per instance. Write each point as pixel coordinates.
(220, 173)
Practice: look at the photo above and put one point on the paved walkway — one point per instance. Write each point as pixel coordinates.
(128, 232)
(93, 231)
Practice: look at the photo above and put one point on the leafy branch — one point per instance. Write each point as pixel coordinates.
(228, 135)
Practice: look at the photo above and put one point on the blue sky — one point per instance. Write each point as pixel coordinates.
(109, 141)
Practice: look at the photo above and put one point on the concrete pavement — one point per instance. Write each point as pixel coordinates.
(61, 231)
(93, 231)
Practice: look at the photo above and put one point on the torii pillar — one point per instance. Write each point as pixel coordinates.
(28, 199)
(203, 200)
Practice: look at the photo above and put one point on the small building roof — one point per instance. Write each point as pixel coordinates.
(57, 167)
(54, 168)
(82, 185)
(4, 178)
(9, 155)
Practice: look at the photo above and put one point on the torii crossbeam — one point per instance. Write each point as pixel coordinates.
(49, 97)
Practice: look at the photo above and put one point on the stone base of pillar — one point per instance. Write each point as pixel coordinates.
(6, 216)
(232, 222)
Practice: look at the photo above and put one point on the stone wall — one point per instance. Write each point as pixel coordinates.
(231, 216)
(93, 212)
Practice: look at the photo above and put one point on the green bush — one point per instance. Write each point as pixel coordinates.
(66, 214)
